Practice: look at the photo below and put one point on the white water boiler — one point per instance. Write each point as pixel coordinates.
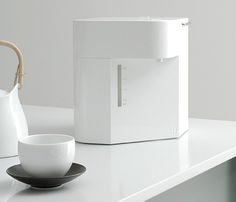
(131, 79)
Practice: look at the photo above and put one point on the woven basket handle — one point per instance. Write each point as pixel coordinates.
(20, 69)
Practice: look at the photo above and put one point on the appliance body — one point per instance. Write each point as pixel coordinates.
(131, 79)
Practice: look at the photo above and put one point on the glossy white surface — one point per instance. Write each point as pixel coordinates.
(13, 124)
(46, 155)
(127, 172)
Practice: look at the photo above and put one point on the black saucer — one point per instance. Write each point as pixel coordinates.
(18, 173)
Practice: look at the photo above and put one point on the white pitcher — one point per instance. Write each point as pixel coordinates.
(13, 124)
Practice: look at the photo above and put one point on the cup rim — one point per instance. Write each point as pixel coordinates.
(67, 138)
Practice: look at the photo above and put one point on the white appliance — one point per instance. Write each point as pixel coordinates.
(131, 79)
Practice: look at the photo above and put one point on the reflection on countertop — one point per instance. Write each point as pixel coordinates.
(125, 172)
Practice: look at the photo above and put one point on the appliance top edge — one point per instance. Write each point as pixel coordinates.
(131, 19)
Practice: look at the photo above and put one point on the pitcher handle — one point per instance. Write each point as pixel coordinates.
(20, 69)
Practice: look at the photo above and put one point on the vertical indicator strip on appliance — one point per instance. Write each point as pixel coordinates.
(119, 85)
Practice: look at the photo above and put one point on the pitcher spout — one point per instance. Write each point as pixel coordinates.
(12, 92)
(13, 124)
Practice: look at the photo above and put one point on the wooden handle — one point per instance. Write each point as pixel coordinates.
(20, 69)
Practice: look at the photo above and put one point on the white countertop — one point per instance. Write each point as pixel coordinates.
(126, 172)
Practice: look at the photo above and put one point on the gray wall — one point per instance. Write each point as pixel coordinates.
(43, 31)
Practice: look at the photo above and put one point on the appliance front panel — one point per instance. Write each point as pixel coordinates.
(144, 99)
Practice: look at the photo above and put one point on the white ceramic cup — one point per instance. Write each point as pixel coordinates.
(46, 155)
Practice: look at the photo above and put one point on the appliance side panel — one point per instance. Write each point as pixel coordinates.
(183, 81)
(92, 101)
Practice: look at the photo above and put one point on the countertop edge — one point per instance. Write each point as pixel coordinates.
(156, 189)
